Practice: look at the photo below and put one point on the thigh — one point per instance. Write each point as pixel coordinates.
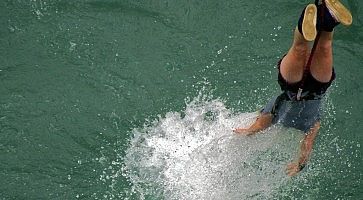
(292, 67)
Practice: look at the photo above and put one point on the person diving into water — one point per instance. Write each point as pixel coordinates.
(304, 76)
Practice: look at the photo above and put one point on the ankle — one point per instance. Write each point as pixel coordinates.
(299, 39)
(300, 49)
(326, 21)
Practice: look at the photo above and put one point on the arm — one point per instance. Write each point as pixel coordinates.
(305, 151)
(262, 122)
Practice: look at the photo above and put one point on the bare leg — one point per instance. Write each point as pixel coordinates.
(322, 64)
(292, 65)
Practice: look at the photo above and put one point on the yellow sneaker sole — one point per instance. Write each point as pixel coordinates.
(339, 11)
(309, 22)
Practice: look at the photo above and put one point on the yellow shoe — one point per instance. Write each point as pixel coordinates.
(309, 22)
(339, 12)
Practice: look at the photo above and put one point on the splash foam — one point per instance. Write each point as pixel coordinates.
(195, 155)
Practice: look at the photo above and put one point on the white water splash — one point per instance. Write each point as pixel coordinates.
(195, 155)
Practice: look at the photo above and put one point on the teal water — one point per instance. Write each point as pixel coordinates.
(136, 100)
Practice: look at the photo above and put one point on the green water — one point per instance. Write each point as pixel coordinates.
(79, 77)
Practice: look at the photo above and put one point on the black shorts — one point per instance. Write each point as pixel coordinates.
(311, 85)
(302, 114)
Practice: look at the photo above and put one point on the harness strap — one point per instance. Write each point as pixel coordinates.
(308, 64)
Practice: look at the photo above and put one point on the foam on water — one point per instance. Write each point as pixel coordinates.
(195, 155)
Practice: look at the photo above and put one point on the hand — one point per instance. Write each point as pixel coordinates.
(244, 131)
(262, 122)
(293, 169)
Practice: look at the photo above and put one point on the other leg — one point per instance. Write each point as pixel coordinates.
(292, 65)
(322, 64)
